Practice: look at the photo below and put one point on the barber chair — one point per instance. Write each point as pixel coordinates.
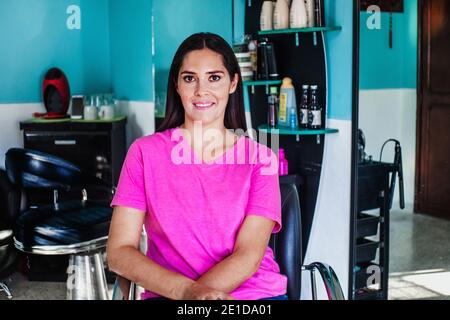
(9, 204)
(78, 228)
(287, 248)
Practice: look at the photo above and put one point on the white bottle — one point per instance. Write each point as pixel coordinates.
(281, 15)
(298, 17)
(311, 12)
(266, 18)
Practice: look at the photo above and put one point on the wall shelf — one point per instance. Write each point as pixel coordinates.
(299, 30)
(262, 83)
(297, 132)
(253, 84)
(294, 132)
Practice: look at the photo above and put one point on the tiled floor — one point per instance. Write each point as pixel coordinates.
(419, 257)
(419, 263)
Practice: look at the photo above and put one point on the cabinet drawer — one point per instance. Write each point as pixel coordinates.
(88, 150)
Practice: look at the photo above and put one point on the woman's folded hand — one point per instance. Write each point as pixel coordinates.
(197, 291)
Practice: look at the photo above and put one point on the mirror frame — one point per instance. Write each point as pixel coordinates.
(354, 142)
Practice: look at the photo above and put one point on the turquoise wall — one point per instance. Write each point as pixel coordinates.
(339, 46)
(34, 38)
(131, 49)
(175, 20)
(382, 67)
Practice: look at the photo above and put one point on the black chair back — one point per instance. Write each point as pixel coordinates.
(34, 169)
(287, 244)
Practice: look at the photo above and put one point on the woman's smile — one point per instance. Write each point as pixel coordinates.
(203, 105)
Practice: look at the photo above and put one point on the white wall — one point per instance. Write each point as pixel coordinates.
(140, 118)
(391, 113)
(330, 233)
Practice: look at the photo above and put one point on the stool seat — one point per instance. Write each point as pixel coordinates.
(71, 227)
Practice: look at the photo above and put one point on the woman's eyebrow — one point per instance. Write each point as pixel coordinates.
(209, 72)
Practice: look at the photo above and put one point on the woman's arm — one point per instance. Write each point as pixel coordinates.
(249, 250)
(125, 259)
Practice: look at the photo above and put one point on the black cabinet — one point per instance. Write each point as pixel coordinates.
(97, 147)
(369, 258)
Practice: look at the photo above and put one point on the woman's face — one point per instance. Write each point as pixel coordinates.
(204, 86)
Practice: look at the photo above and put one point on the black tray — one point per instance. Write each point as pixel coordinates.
(366, 250)
(367, 225)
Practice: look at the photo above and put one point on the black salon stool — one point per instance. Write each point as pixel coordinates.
(78, 228)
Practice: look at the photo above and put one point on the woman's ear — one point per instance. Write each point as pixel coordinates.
(234, 83)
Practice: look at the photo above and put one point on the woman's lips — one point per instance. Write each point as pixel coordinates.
(203, 105)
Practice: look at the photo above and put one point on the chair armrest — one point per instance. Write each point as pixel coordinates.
(329, 278)
(9, 201)
(124, 289)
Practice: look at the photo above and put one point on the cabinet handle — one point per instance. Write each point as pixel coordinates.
(66, 142)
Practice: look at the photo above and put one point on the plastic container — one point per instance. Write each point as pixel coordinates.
(287, 115)
(298, 16)
(283, 165)
(281, 15)
(266, 17)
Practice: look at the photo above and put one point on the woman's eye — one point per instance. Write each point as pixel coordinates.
(215, 77)
(188, 78)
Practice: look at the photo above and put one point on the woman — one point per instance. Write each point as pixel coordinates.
(208, 219)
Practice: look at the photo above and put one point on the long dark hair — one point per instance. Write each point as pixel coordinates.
(234, 113)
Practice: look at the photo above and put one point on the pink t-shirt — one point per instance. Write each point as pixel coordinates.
(194, 210)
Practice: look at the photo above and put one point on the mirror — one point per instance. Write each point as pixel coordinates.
(400, 157)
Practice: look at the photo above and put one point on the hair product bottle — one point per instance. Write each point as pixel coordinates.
(281, 15)
(266, 17)
(304, 107)
(288, 106)
(298, 17)
(283, 165)
(311, 12)
(315, 110)
(273, 108)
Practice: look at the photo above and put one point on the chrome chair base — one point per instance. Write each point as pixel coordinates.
(86, 277)
(4, 287)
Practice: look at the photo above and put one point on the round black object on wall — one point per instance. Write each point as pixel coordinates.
(56, 94)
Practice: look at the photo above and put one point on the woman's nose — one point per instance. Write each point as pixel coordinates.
(201, 88)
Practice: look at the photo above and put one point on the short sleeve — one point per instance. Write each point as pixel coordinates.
(264, 193)
(130, 191)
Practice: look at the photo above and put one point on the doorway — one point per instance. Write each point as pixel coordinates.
(433, 125)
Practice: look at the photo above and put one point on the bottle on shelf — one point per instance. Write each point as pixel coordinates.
(253, 50)
(287, 116)
(315, 110)
(283, 165)
(311, 12)
(298, 17)
(293, 120)
(304, 107)
(266, 17)
(281, 15)
(319, 13)
(273, 108)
